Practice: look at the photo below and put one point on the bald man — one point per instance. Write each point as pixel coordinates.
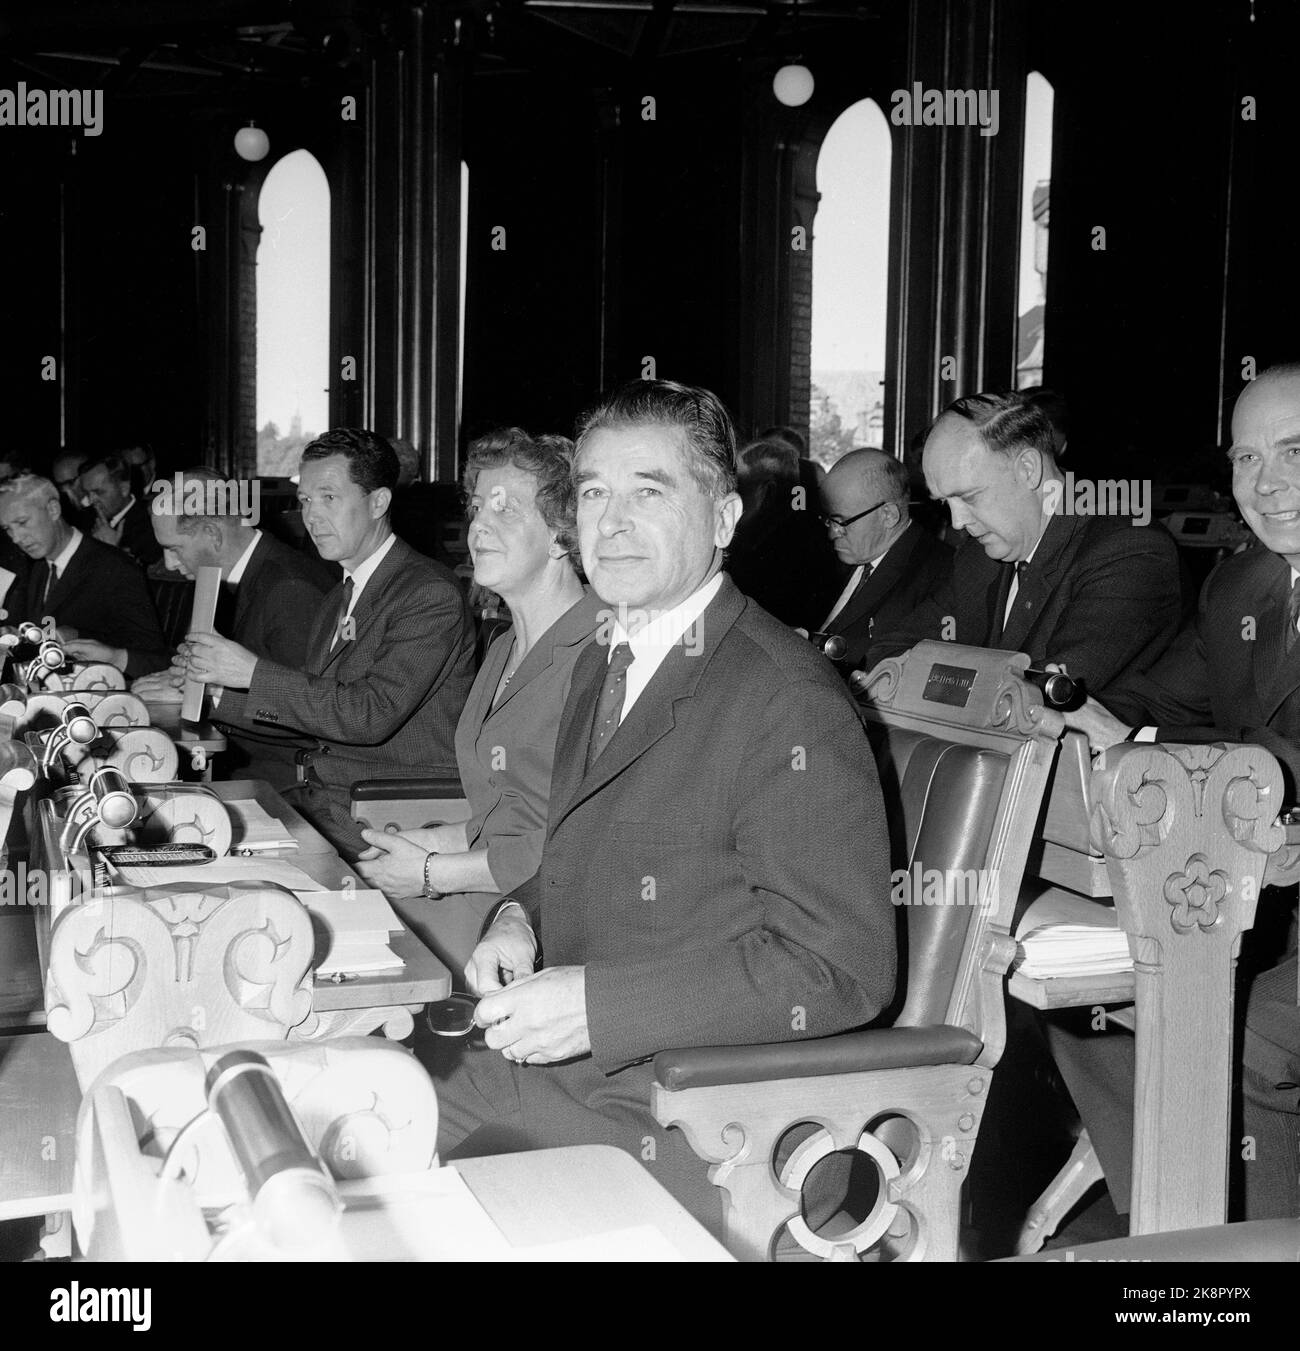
(1225, 679)
(895, 562)
(92, 590)
(1098, 593)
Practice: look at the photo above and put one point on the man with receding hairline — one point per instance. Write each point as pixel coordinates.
(122, 518)
(896, 563)
(1233, 675)
(93, 591)
(1097, 594)
(391, 654)
(270, 598)
(679, 902)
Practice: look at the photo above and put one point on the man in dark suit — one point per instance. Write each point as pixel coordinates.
(1232, 676)
(895, 562)
(67, 479)
(270, 599)
(1095, 593)
(92, 591)
(391, 654)
(122, 518)
(715, 866)
(779, 555)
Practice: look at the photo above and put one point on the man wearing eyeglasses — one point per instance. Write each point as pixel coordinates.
(67, 479)
(896, 563)
(1098, 594)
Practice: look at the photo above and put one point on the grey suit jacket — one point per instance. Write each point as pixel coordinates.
(722, 870)
(506, 753)
(384, 703)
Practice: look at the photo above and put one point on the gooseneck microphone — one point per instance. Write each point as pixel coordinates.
(295, 1203)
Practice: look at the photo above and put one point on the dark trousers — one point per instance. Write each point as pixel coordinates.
(329, 809)
(1098, 1069)
(489, 1105)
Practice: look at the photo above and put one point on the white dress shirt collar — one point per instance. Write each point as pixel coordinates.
(237, 572)
(59, 563)
(657, 639)
(367, 569)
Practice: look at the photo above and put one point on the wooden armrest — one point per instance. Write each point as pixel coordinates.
(885, 1048)
(387, 790)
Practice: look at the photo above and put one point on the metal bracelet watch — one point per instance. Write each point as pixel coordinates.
(429, 889)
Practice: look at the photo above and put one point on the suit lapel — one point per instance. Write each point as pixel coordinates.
(323, 632)
(575, 728)
(875, 588)
(1051, 559)
(246, 588)
(68, 583)
(575, 625)
(363, 612)
(1276, 673)
(651, 717)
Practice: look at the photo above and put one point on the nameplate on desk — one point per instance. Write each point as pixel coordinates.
(949, 685)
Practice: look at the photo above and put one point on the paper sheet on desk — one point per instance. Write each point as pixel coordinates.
(221, 870)
(421, 1217)
(256, 828)
(361, 916)
(355, 926)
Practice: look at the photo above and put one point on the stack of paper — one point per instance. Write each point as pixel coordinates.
(1065, 935)
(355, 927)
(256, 829)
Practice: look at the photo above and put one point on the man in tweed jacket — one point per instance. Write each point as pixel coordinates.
(391, 656)
(716, 861)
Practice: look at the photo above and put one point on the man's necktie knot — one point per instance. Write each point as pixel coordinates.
(609, 707)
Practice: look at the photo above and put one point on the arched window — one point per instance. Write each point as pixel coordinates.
(293, 311)
(1035, 201)
(850, 284)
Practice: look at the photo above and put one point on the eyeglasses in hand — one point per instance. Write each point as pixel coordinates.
(453, 1016)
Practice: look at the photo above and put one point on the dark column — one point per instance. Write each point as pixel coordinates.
(407, 352)
(953, 259)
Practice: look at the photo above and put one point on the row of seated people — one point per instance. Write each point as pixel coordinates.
(647, 757)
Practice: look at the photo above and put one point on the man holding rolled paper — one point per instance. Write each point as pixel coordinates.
(269, 599)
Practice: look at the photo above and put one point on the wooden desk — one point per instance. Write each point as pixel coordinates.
(188, 736)
(389, 999)
(578, 1193)
(39, 1097)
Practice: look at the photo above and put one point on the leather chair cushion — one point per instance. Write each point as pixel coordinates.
(887, 1048)
(949, 799)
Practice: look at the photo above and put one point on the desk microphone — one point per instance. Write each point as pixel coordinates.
(107, 800)
(295, 1202)
(76, 728)
(1061, 691)
(831, 645)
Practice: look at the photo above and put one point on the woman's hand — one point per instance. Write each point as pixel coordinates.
(393, 863)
